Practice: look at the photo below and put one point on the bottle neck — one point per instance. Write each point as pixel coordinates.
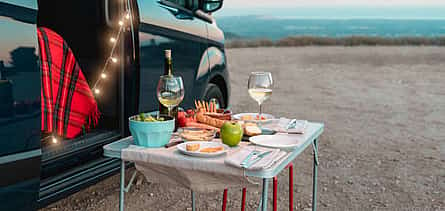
(168, 70)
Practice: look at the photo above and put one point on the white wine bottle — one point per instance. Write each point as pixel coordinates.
(168, 70)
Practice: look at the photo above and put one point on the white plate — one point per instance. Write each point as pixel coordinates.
(269, 117)
(282, 141)
(202, 144)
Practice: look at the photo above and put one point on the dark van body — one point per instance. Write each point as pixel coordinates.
(35, 172)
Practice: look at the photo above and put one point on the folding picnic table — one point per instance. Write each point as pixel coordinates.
(310, 137)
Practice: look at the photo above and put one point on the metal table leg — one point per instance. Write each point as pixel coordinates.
(243, 202)
(122, 188)
(193, 201)
(264, 195)
(291, 186)
(275, 193)
(315, 174)
(224, 205)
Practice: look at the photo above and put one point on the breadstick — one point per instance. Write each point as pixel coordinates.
(201, 105)
(196, 105)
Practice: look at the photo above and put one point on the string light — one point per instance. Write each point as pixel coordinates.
(54, 140)
(114, 40)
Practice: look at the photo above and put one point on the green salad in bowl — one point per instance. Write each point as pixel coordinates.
(148, 130)
(143, 117)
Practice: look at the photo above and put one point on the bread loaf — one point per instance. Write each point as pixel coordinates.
(251, 129)
(202, 118)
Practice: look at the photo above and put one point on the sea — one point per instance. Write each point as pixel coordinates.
(340, 22)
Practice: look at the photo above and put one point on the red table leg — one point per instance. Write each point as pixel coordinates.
(275, 184)
(224, 200)
(291, 187)
(243, 203)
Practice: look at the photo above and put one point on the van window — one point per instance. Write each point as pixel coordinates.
(189, 4)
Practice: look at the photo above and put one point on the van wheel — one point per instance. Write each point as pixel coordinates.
(213, 93)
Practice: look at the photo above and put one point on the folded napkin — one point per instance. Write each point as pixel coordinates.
(283, 126)
(267, 161)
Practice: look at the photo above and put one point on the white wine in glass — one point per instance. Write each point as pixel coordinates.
(260, 94)
(170, 91)
(260, 87)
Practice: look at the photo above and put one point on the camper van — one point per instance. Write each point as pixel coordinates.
(37, 169)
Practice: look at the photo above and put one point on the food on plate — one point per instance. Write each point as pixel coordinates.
(192, 147)
(202, 118)
(212, 149)
(197, 134)
(231, 133)
(201, 125)
(221, 114)
(250, 117)
(251, 129)
(147, 118)
(246, 117)
(260, 118)
(212, 110)
(205, 106)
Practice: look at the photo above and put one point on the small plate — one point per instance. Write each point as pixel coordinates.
(210, 134)
(264, 131)
(282, 141)
(269, 117)
(203, 144)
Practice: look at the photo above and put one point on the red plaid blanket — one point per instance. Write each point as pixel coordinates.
(67, 103)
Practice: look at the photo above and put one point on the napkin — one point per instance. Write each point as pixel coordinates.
(281, 125)
(267, 161)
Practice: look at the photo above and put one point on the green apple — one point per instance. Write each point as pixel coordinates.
(231, 133)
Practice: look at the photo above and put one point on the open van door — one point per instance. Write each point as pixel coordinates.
(20, 151)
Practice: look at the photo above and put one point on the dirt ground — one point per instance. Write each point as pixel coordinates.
(384, 143)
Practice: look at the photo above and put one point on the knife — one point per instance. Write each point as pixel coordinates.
(173, 143)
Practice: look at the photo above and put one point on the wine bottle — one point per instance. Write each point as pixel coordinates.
(168, 70)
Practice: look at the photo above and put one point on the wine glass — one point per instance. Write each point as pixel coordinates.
(260, 87)
(170, 91)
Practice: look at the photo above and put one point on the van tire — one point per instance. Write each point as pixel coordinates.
(212, 91)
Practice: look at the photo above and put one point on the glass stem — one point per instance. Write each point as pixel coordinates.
(259, 115)
(169, 111)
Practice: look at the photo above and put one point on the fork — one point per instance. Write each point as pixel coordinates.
(258, 158)
(248, 157)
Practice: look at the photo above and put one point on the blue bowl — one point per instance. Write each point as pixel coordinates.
(152, 134)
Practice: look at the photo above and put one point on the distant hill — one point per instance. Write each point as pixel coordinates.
(232, 36)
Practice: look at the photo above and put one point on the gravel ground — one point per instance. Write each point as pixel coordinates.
(384, 143)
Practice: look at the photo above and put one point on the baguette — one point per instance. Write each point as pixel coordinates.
(202, 118)
(200, 125)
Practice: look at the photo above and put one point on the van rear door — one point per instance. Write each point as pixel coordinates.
(20, 151)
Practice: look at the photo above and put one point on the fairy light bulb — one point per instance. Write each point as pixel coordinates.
(113, 59)
(121, 23)
(97, 91)
(113, 40)
(54, 140)
(103, 75)
(127, 16)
